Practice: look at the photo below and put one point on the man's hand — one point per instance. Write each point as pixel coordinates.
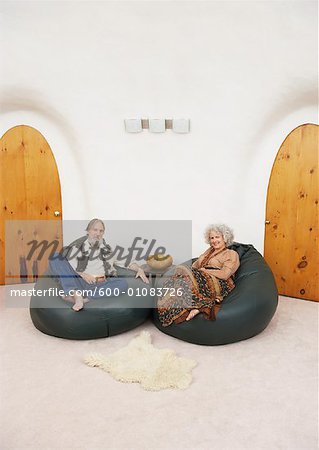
(87, 277)
(140, 273)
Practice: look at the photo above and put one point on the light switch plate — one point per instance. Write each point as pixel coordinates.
(133, 125)
(157, 125)
(181, 125)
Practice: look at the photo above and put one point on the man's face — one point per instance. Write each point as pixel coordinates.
(96, 233)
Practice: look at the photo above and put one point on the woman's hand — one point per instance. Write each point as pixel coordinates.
(90, 279)
(140, 273)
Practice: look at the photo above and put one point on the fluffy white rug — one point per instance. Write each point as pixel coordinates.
(141, 362)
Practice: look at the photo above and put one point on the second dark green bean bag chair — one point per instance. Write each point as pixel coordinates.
(245, 312)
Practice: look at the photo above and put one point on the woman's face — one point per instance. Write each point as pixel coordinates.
(216, 240)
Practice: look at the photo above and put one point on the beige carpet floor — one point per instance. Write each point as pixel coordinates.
(257, 394)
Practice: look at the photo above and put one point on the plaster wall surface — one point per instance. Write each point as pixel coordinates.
(244, 72)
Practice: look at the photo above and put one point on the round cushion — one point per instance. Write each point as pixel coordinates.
(100, 318)
(160, 262)
(245, 312)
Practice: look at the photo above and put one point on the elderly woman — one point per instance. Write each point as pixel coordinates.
(205, 284)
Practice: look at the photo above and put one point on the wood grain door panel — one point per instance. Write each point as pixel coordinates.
(291, 229)
(30, 200)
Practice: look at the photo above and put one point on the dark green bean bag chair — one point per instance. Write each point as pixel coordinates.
(100, 318)
(245, 312)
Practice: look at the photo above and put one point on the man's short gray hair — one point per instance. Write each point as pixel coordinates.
(93, 222)
(224, 230)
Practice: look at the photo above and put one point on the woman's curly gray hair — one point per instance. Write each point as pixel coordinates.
(224, 230)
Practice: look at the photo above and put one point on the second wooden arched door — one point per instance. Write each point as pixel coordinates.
(291, 229)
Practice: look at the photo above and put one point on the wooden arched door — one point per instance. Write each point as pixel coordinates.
(30, 202)
(291, 228)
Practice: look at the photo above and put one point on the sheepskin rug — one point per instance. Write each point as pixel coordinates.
(140, 362)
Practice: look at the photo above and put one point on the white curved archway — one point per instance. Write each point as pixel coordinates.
(256, 174)
(25, 108)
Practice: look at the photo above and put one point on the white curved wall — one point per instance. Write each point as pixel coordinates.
(244, 72)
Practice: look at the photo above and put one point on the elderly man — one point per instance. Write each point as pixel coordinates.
(88, 263)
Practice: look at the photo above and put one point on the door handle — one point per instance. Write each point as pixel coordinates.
(267, 222)
(57, 213)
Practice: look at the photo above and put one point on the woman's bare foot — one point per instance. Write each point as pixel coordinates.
(192, 314)
(79, 303)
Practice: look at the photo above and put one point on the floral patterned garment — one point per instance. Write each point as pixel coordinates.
(192, 289)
